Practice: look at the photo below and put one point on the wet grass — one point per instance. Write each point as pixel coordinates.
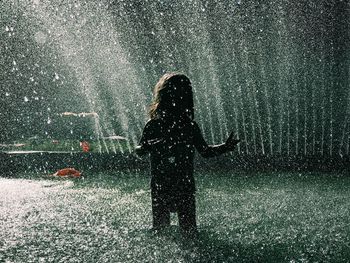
(243, 217)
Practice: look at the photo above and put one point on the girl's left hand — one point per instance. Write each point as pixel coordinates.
(231, 142)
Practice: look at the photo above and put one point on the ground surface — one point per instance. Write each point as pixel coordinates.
(260, 217)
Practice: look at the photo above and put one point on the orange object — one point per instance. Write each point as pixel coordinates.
(67, 172)
(85, 146)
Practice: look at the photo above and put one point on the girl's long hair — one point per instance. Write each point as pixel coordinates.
(169, 83)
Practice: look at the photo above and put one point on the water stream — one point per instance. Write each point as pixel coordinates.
(276, 73)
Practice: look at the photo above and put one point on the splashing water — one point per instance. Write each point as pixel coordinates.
(273, 72)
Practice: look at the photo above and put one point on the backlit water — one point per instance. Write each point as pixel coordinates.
(276, 72)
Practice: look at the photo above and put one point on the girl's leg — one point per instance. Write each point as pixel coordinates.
(187, 214)
(160, 211)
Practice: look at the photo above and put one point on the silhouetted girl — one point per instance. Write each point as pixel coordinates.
(171, 137)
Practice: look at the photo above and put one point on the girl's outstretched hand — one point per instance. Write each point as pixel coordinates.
(231, 142)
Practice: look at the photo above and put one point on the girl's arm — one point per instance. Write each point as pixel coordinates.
(148, 145)
(143, 147)
(149, 141)
(206, 150)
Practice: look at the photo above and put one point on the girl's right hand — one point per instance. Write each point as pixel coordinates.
(231, 142)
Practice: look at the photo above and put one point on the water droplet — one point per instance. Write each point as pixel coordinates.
(40, 37)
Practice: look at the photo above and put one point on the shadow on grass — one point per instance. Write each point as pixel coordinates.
(212, 247)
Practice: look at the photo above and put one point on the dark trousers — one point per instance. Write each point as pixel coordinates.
(184, 205)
